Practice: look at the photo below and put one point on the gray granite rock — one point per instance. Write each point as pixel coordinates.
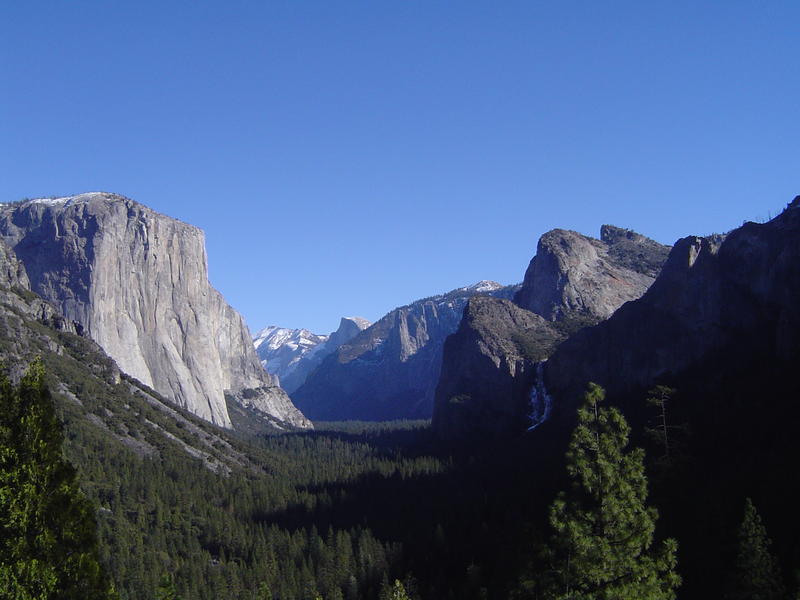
(488, 374)
(390, 370)
(573, 274)
(734, 296)
(489, 369)
(137, 282)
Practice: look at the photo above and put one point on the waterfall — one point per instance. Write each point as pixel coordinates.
(541, 401)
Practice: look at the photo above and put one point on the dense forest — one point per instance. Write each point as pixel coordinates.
(381, 510)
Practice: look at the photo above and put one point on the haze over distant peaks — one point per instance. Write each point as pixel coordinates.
(390, 369)
(291, 354)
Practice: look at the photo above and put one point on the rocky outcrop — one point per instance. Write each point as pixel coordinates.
(489, 369)
(12, 271)
(488, 377)
(735, 296)
(16, 295)
(137, 282)
(575, 276)
(349, 327)
(390, 370)
(292, 354)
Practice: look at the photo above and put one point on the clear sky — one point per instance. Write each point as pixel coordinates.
(345, 158)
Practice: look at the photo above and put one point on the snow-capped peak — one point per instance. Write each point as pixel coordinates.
(483, 286)
(68, 200)
(273, 337)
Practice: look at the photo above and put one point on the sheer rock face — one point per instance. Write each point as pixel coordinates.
(12, 271)
(489, 368)
(735, 296)
(390, 370)
(137, 281)
(15, 293)
(575, 274)
(573, 281)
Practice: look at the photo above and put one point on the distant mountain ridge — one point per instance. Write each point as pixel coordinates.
(136, 281)
(291, 354)
(390, 370)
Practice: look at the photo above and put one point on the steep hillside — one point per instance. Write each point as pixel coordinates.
(489, 369)
(137, 283)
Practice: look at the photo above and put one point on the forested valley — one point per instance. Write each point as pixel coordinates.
(354, 510)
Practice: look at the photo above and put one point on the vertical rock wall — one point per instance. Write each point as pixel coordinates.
(138, 283)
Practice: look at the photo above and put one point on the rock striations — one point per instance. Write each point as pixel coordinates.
(137, 282)
(390, 370)
(488, 369)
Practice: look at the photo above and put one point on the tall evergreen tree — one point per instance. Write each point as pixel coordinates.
(395, 591)
(757, 574)
(602, 545)
(48, 540)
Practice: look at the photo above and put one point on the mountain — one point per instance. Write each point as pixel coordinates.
(735, 294)
(721, 328)
(92, 392)
(136, 281)
(491, 356)
(579, 277)
(390, 370)
(488, 376)
(291, 354)
(281, 349)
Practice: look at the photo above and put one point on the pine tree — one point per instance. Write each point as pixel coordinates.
(166, 589)
(659, 397)
(757, 574)
(602, 545)
(395, 591)
(48, 539)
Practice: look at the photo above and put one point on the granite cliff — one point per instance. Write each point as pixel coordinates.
(490, 368)
(573, 275)
(136, 281)
(488, 380)
(735, 296)
(390, 370)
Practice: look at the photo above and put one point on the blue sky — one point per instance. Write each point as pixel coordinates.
(345, 158)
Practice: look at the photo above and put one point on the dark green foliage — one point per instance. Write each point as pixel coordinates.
(602, 545)
(537, 344)
(166, 589)
(395, 591)
(48, 540)
(659, 397)
(757, 574)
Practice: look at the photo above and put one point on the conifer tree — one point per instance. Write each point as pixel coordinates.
(395, 591)
(48, 539)
(602, 545)
(166, 589)
(757, 574)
